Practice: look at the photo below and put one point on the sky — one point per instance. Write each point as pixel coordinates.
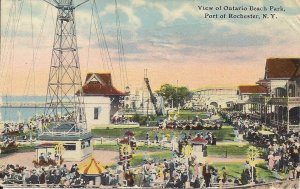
(170, 38)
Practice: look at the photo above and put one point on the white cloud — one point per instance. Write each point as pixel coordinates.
(133, 20)
(171, 15)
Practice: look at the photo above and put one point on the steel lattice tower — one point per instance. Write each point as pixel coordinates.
(64, 84)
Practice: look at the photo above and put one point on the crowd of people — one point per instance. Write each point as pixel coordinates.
(12, 132)
(281, 152)
(281, 149)
(49, 176)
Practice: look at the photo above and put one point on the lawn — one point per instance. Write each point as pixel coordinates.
(188, 114)
(138, 159)
(225, 133)
(231, 150)
(111, 147)
(234, 170)
(115, 147)
(21, 148)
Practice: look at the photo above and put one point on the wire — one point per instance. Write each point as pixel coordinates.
(90, 33)
(101, 51)
(103, 36)
(122, 62)
(32, 68)
(118, 44)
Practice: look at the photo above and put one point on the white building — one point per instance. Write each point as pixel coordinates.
(101, 99)
(246, 92)
(139, 102)
(213, 98)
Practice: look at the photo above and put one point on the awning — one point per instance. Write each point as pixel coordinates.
(91, 167)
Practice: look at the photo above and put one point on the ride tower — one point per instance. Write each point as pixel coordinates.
(65, 121)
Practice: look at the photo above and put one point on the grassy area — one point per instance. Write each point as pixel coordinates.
(26, 148)
(188, 114)
(232, 150)
(138, 159)
(20, 149)
(234, 170)
(225, 133)
(114, 147)
(140, 133)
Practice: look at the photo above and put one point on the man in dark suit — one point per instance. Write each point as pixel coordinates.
(207, 174)
(34, 179)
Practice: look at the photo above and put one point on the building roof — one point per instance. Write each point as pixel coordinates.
(282, 68)
(252, 89)
(99, 84)
(199, 140)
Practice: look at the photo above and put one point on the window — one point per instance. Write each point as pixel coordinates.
(96, 113)
(70, 146)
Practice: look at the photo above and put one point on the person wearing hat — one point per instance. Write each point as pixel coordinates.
(166, 168)
(297, 171)
(207, 174)
(33, 179)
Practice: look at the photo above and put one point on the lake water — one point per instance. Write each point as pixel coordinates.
(20, 114)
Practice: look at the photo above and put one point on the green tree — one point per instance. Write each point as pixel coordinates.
(179, 95)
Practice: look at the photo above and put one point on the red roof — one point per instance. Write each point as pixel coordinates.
(199, 140)
(129, 133)
(124, 141)
(252, 89)
(99, 84)
(282, 68)
(104, 77)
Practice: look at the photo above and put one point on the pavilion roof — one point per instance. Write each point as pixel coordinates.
(91, 167)
(199, 140)
(278, 68)
(252, 89)
(99, 84)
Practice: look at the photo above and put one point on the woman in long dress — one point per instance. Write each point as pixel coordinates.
(271, 159)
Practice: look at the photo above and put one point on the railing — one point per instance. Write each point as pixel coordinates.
(278, 100)
(275, 100)
(49, 133)
(277, 123)
(293, 99)
(294, 127)
(277, 184)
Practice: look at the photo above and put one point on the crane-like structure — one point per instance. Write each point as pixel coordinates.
(158, 111)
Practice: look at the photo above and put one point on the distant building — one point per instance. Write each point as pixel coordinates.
(102, 100)
(139, 102)
(213, 98)
(245, 92)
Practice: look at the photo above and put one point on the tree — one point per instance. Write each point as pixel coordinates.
(179, 95)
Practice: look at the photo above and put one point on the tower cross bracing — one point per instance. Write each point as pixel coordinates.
(64, 103)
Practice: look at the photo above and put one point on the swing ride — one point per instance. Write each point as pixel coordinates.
(64, 119)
